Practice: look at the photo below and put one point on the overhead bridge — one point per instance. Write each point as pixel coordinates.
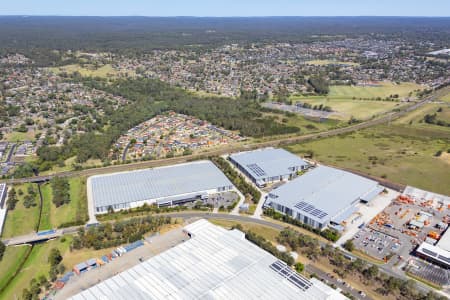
(38, 237)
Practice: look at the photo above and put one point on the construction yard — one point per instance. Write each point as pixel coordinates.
(413, 217)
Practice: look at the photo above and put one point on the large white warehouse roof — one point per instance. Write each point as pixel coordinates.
(214, 264)
(135, 186)
(323, 193)
(267, 162)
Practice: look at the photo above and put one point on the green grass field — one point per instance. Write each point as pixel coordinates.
(415, 119)
(46, 216)
(20, 136)
(401, 154)
(346, 108)
(305, 125)
(384, 90)
(348, 101)
(36, 265)
(53, 217)
(21, 220)
(446, 98)
(11, 261)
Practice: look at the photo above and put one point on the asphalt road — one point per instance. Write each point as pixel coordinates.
(234, 148)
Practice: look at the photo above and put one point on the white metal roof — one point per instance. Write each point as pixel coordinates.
(435, 252)
(444, 242)
(268, 162)
(323, 192)
(214, 264)
(422, 195)
(127, 187)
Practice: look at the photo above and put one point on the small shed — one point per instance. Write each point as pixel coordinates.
(92, 263)
(80, 268)
(415, 224)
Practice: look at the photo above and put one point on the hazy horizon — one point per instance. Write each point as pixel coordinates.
(230, 8)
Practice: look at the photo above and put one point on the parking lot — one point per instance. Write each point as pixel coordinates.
(222, 199)
(376, 244)
(428, 272)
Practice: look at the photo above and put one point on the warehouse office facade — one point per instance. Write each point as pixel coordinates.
(268, 165)
(164, 186)
(323, 196)
(438, 254)
(214, 263)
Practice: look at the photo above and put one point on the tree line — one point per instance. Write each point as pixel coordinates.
(369, 274)
(238, 180)
(60, 191)
(329, 234)
(111, 235)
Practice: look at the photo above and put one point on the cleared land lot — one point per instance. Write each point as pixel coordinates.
(88, 71)
(21, 220)
(401, 154)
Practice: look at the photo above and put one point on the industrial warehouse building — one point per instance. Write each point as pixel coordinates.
(323, 196)
(2, 194)
(268, 165)
(214, 263)
(3, 207)
(164, 186)
(438, 254)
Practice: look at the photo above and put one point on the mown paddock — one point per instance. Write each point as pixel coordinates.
(383, 90)
(347, 108)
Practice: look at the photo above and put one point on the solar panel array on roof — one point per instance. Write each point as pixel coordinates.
(256, 170)
(285, 271)
(214, 264)
(308, 208)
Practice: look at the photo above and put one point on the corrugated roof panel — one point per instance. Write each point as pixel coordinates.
(141, 185)
(237, 270)
(268, 162)
(323, 192)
